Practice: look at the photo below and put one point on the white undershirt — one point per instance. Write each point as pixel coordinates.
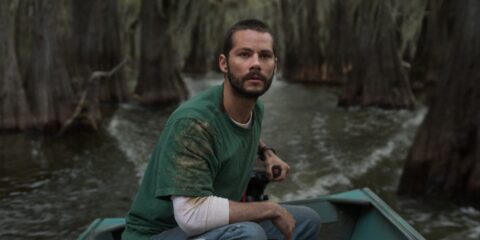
(196, 215)
(246, 125)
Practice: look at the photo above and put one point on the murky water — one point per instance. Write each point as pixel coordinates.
(53, 188)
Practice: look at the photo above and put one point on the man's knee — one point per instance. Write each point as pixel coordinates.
(302, 213)
(308, 222)
(311, 216)
(245, 230)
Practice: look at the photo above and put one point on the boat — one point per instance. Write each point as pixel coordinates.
(353, 215)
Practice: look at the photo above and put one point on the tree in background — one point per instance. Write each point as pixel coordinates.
(199, 28)
(47, 81)
(377, 77)
(303, 58)
(407, 16)
(45, 70)
(444, 161)
(201, 23)
(14, 108)
(434, 43)
(363, 44)
(339, 42)
(98, 46)
(159, 78)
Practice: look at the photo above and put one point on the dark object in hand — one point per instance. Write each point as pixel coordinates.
(258, 182)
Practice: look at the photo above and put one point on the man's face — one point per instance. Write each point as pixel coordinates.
(251, 63)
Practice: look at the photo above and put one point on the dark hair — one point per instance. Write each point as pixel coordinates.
(247, 24)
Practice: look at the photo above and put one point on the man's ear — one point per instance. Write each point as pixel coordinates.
(222, 63)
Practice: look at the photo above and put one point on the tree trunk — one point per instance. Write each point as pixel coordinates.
(433, 43)
(98, 45)
(14, 108)
(377, 77)
(48, 84)
(199, 59)
(159, 79)
(339, 40)
(444, 161)
(303, 55)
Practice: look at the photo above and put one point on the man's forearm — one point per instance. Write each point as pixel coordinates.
(252, 211)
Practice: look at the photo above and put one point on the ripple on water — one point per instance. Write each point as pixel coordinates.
(320, 187)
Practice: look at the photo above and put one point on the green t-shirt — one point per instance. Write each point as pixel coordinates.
(201, 152)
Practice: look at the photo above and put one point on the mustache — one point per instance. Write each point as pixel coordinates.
(255, 74)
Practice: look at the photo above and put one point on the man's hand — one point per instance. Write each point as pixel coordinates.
(260, 211)
(284, 222)
(271, 159)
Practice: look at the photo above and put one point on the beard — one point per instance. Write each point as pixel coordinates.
(239, 89)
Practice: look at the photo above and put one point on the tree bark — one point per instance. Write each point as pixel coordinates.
(98, 45)
(444, 161)
(48, 85)
(433, 43)
(377, 77)
(339, 40)
(14, 108)
(304, 61)
(199, 59)
(159, 80)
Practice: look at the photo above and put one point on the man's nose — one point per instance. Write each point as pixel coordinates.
(255, 62)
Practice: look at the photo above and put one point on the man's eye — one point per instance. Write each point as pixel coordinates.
(243, 54)
(266, 56)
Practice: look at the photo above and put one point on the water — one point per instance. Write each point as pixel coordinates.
(53, 188)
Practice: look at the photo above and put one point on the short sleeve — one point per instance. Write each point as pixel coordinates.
(187, 160)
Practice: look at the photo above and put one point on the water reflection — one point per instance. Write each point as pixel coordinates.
(52, 188)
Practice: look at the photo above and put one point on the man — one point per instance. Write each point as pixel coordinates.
(202, 163)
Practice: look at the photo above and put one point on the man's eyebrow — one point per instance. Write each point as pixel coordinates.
(266, 51)
(251, 50)
(244, 49)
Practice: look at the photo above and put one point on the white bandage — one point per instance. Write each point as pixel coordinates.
(195, 215)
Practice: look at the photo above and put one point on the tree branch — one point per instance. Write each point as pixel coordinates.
(95, 75)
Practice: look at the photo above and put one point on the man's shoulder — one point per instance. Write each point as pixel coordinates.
(202, 110)
(203, 107)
